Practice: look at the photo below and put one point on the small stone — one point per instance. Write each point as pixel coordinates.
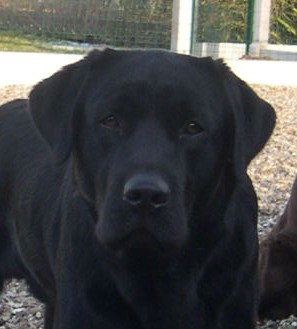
(38, 315)
(271, 324)
(17, 310)
(5, 318)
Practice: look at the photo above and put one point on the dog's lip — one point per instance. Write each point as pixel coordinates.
(140, 239)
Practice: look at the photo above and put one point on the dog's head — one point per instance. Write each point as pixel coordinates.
(278, 276)
(154, 138)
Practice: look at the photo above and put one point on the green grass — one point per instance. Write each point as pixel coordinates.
(10, 41)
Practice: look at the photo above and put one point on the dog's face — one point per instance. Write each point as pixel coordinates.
(152, 135)
(278, 278)
(148, 142)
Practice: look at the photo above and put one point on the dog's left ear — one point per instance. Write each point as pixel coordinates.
(254, 118)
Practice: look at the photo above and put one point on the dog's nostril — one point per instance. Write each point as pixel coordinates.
(159, 199)
(146, 190)
(133, 196)
(147, 197)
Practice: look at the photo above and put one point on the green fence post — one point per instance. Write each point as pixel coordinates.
(193, 27)
(249, 26)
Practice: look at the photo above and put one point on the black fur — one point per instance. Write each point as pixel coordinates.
(125, 201)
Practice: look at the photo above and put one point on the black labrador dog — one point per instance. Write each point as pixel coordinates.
(125, 202)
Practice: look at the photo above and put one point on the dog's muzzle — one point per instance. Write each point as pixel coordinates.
(146, 214)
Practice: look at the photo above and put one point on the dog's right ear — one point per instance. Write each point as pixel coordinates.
(54, 102)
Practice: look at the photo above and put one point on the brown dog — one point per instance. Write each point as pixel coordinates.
(278, 265)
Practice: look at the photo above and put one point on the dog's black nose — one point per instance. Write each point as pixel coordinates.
(146, 190)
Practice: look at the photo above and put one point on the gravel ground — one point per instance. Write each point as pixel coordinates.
(272, 172)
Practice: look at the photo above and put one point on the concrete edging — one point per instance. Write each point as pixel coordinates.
(30, 68)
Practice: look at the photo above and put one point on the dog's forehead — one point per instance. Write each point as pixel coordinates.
(156, 66)
(161, 75)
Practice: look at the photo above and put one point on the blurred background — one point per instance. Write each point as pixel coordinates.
(232, 29)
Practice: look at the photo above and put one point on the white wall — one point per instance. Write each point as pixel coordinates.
(30, 68)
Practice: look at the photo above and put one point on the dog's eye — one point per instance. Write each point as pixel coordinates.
(111, 122)
(192, 128)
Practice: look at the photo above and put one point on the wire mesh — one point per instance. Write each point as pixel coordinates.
(283, 25)
(228, 29)
(221, 21)
(252, 29)
(129, 23)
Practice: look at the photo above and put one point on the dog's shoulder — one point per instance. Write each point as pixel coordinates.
(19, 139)
(13, 110)
(13, 115)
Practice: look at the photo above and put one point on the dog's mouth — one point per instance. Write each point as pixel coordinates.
(140, 239)
(143, 233)
(122, 227)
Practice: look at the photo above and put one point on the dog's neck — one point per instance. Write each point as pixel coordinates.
(162, 287)
(159, 288)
